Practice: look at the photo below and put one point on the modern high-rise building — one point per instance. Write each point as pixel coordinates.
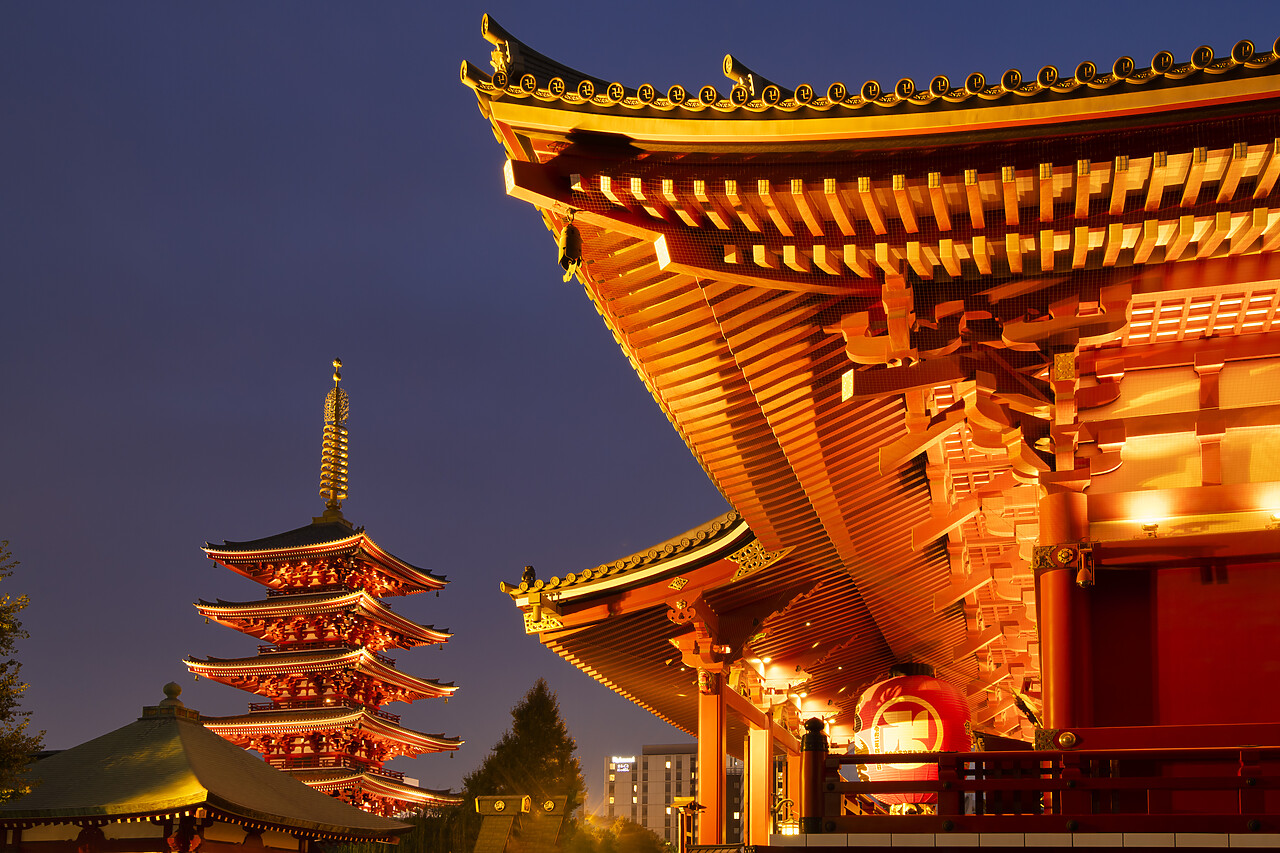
(621, 794)
(643, 791)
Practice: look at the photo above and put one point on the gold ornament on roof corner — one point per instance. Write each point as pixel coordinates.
(570, 248)
(333, 459)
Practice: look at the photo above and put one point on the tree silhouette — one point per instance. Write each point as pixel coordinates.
(534, 757)
(16, 744)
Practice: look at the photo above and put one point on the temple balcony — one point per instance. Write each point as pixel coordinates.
(289, 705)
(1193, 796)
(279, 648)
(326, 762)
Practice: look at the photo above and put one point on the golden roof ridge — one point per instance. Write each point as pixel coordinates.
(522, 73)
(676, 545)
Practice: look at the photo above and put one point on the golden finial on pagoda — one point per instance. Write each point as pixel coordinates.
(333, 460)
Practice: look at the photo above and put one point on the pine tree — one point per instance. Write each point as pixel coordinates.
(16, 744)
(535, 757)
(619, 835)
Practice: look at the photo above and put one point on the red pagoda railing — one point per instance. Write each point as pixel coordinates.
(316, 703)
(319, 762)
(271, 648)
(333, 587)
(1204, 789)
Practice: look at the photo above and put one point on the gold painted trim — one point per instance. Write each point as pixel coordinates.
(754, 558)
(559, 119)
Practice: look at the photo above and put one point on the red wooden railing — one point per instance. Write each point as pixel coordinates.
(316, 703)
(1202, 789)
(273, 648)
(319, 762)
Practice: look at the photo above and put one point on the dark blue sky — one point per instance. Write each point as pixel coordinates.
(202, 203)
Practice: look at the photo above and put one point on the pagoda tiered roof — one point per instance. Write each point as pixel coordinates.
(251, 616)
(259, 559)
(382, 784)
(327, 718)
(247, 673)
(848, 306)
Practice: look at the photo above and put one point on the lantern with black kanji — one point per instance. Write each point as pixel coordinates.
(911, 711)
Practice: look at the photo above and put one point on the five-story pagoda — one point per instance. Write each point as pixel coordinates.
(323, 666)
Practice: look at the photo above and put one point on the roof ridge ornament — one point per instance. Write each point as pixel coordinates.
(333, 457)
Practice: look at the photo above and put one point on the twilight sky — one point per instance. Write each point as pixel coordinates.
(203, 203)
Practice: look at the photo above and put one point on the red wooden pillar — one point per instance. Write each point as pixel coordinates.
(759, 783)
(1065, 642)
(813, 768)
(711, 755)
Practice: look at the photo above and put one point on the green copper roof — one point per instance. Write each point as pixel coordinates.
(167, 761)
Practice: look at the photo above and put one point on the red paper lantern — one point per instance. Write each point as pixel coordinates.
(912, 711)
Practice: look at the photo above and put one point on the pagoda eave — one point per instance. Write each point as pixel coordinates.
(238, 614)
(332, 781)
(242, 560)
(293, 721)
(252, 670)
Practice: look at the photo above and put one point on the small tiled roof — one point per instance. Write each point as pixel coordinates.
(341, 537)
(166, 762)
(717, 531)
(322, 602)
(320, 719)
(318, 533)
(336, 779)
(322, 660)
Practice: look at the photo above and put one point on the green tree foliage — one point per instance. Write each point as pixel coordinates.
(621, 835)
(16, 744)
(535, 757)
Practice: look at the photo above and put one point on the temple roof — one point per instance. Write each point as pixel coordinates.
(619, 621)
(679, 552)
(167, 762)
(524, 81)
(825, 295)
(295, 720)
(316, 662)
(321, 539)
(322, 602)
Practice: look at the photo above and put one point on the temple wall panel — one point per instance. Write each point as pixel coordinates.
(1249, 383)
(1250, 454)
(51, 832)
(227, 833)
(1217, 622)
(141, 830)
(1153, 462)
(1151, 392)
(279, 840)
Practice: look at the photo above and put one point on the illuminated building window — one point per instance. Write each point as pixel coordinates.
(611, 801)
(668, 765)
(610, 777)
(668, 809)
(635, 800)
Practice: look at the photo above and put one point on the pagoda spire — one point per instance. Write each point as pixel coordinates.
(333, 457)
